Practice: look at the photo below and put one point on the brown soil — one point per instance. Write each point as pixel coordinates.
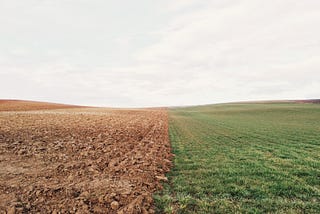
(22, 105)
(83, 160)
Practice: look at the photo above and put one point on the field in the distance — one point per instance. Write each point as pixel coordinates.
(80, 160)
(23, 105)
(244, 158)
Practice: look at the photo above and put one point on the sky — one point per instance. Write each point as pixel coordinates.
(159, 53)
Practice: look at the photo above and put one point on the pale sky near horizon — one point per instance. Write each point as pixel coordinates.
(159, 53)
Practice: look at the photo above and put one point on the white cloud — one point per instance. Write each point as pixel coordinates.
(184, 52)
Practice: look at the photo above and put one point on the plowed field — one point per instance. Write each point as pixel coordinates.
(82, 160)
(22, 105)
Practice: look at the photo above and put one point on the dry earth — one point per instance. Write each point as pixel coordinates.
(22, 105)
(82, 160)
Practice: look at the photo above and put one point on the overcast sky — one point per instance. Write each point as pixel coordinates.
(128, 53)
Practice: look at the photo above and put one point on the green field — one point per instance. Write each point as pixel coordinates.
(244, 158)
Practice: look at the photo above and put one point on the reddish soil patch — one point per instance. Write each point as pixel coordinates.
(82, 160)
(22, 105)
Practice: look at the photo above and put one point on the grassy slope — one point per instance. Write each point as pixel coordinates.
(248, 158)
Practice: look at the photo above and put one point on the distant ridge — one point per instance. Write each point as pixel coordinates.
(311, 101)
(25, 105)
(316, 101)
(28, 105)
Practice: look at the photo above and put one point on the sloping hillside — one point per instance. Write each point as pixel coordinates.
(244, 158)
(23, 105)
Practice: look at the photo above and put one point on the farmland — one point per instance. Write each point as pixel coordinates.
(244, 158)
(66, 159)
(22, 105)
(228, 158)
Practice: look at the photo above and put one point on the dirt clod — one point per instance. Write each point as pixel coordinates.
(162, 178)
(114, 205)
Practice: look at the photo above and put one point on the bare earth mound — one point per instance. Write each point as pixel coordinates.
(22, 105)
(82, 160)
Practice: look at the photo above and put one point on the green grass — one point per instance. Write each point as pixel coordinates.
(244, 158)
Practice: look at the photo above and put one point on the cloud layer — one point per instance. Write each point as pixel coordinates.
(159, 54)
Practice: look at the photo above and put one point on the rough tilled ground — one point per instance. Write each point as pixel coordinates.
(82, 160)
